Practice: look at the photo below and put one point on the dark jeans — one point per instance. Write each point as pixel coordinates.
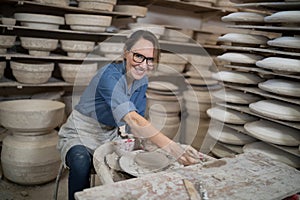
(79, 160)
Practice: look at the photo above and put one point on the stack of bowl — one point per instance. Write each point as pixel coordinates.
(29, 155)
(77, 48)
(107, 5)
(163, 107)
(32, 72)
(39, 46)
(88, 23)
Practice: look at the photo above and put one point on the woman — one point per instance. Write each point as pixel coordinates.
(115, 96)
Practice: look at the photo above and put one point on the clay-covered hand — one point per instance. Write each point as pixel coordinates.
(190, 156)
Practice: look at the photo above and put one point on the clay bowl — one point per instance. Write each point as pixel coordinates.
(31, 115)
(172, 58)
(281, 86)
(32, 72)
(2, 68)
(244, 17)
(284, 65)
(95, 5)
(157, 30)
(6, 41)
(8, 21)
(39, 21)
(54, 2)
(244, 38)
(237, 77)
(77, 48)
(83, 22)
(286, 42)
(39, 46)
(245, 58)
(79, 73)
(290, 16)
(111, 47)
(132, 9)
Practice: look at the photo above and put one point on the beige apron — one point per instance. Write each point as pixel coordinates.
(82, 130)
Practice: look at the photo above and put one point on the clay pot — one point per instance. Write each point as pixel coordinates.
(40, 21)
(30, 160)
(6, 41)
(32, 72)
(2, 68)
(31, 116)
(79, 73)
(77, 48)
(39, 46)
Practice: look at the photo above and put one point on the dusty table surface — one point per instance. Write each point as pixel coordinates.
(246, 176)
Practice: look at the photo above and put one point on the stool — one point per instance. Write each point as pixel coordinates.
(60, 172)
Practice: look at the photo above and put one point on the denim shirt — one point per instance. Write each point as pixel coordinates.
(108, 99)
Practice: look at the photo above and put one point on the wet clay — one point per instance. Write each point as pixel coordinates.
(151, 160)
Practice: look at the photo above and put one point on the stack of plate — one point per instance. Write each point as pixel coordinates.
(88, 23)
(107, 5)
(163, 107)
(40, 21)
(171, 64)
(77, 48)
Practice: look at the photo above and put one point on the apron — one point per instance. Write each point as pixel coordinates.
(83, 130)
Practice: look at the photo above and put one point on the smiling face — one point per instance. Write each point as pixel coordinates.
(141, 49)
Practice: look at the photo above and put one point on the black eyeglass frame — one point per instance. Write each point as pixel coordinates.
(134, 54)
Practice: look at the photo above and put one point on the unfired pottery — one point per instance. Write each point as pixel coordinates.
(32, 72)
(246, 58)
(244, 38)
(157, 30)
(286, 87)
(6, 41)
(172, 58)
(131, 9)
(30, 160)
(95, 5)
(273, 133)
(221, 152)
(243, 17)
(229, 115)
(162, 85)
(235, 96)
(8, 21)
(276, 109)
(230, 136)
(285, 41)
(54, 2)
(290, 16)
(77, 48)
(170, 68)
(274, 153)
(39, 46)
(177, 35)
(31, 115)
(287, 65)
(2, 68)
(237, 77)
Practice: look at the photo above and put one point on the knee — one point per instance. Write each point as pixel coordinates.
(79, 159)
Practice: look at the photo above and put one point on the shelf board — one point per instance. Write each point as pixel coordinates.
(271, 5)
(261, 50)
(61, 9)
(53, 82)
(279, 29)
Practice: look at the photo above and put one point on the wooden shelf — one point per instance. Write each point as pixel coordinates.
(60, 10)
(270, 28)
(53, 82)
(271, 5)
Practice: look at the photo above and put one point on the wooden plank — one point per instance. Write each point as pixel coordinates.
(268, 28)
(53, 82)
(247, 176)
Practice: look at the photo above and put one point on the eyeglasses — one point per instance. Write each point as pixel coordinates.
(139, 58)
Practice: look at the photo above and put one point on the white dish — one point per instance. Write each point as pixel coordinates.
(229, 115)
(287, 42)
(273, 132)
(290, 16)
(274, 153)
(280, 64)
(243, 17)
(237, 77)
(276, 110)
(244, 38)
(230, 136)
(281, 87)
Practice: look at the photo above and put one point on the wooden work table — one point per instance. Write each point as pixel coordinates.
(246, 176)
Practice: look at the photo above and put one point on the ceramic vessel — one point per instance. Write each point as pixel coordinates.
(31, 116)
(2, 68)
(246, 58)
(30, 160)
(287, 65)
(235, 96)
(77, 48)
(96, 5)
(54, 2)
(290, 16)
(243, 17)
(39, 46)
(32, 72)
(273, 133)
(281, 86)
(158, 30)
(237, 77)
(131, 9)
(286, 42)
(244, 38)
(276, 109)
(6, 41)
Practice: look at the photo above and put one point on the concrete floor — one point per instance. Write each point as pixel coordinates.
(12, 191)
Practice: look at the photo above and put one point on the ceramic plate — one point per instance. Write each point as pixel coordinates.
(288, 42)
(161, 85)
(276, 110)
(229, 115)
(273, 132)
(274, 153)
(221, 151)
(243, 17)
(281, 87)
(237, 77)
(243, 38)
(230, 136)
(236, 96)
(280, 64)
(246, 58)
(284, 17)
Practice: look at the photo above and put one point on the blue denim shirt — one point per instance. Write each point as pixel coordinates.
(108, 99)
